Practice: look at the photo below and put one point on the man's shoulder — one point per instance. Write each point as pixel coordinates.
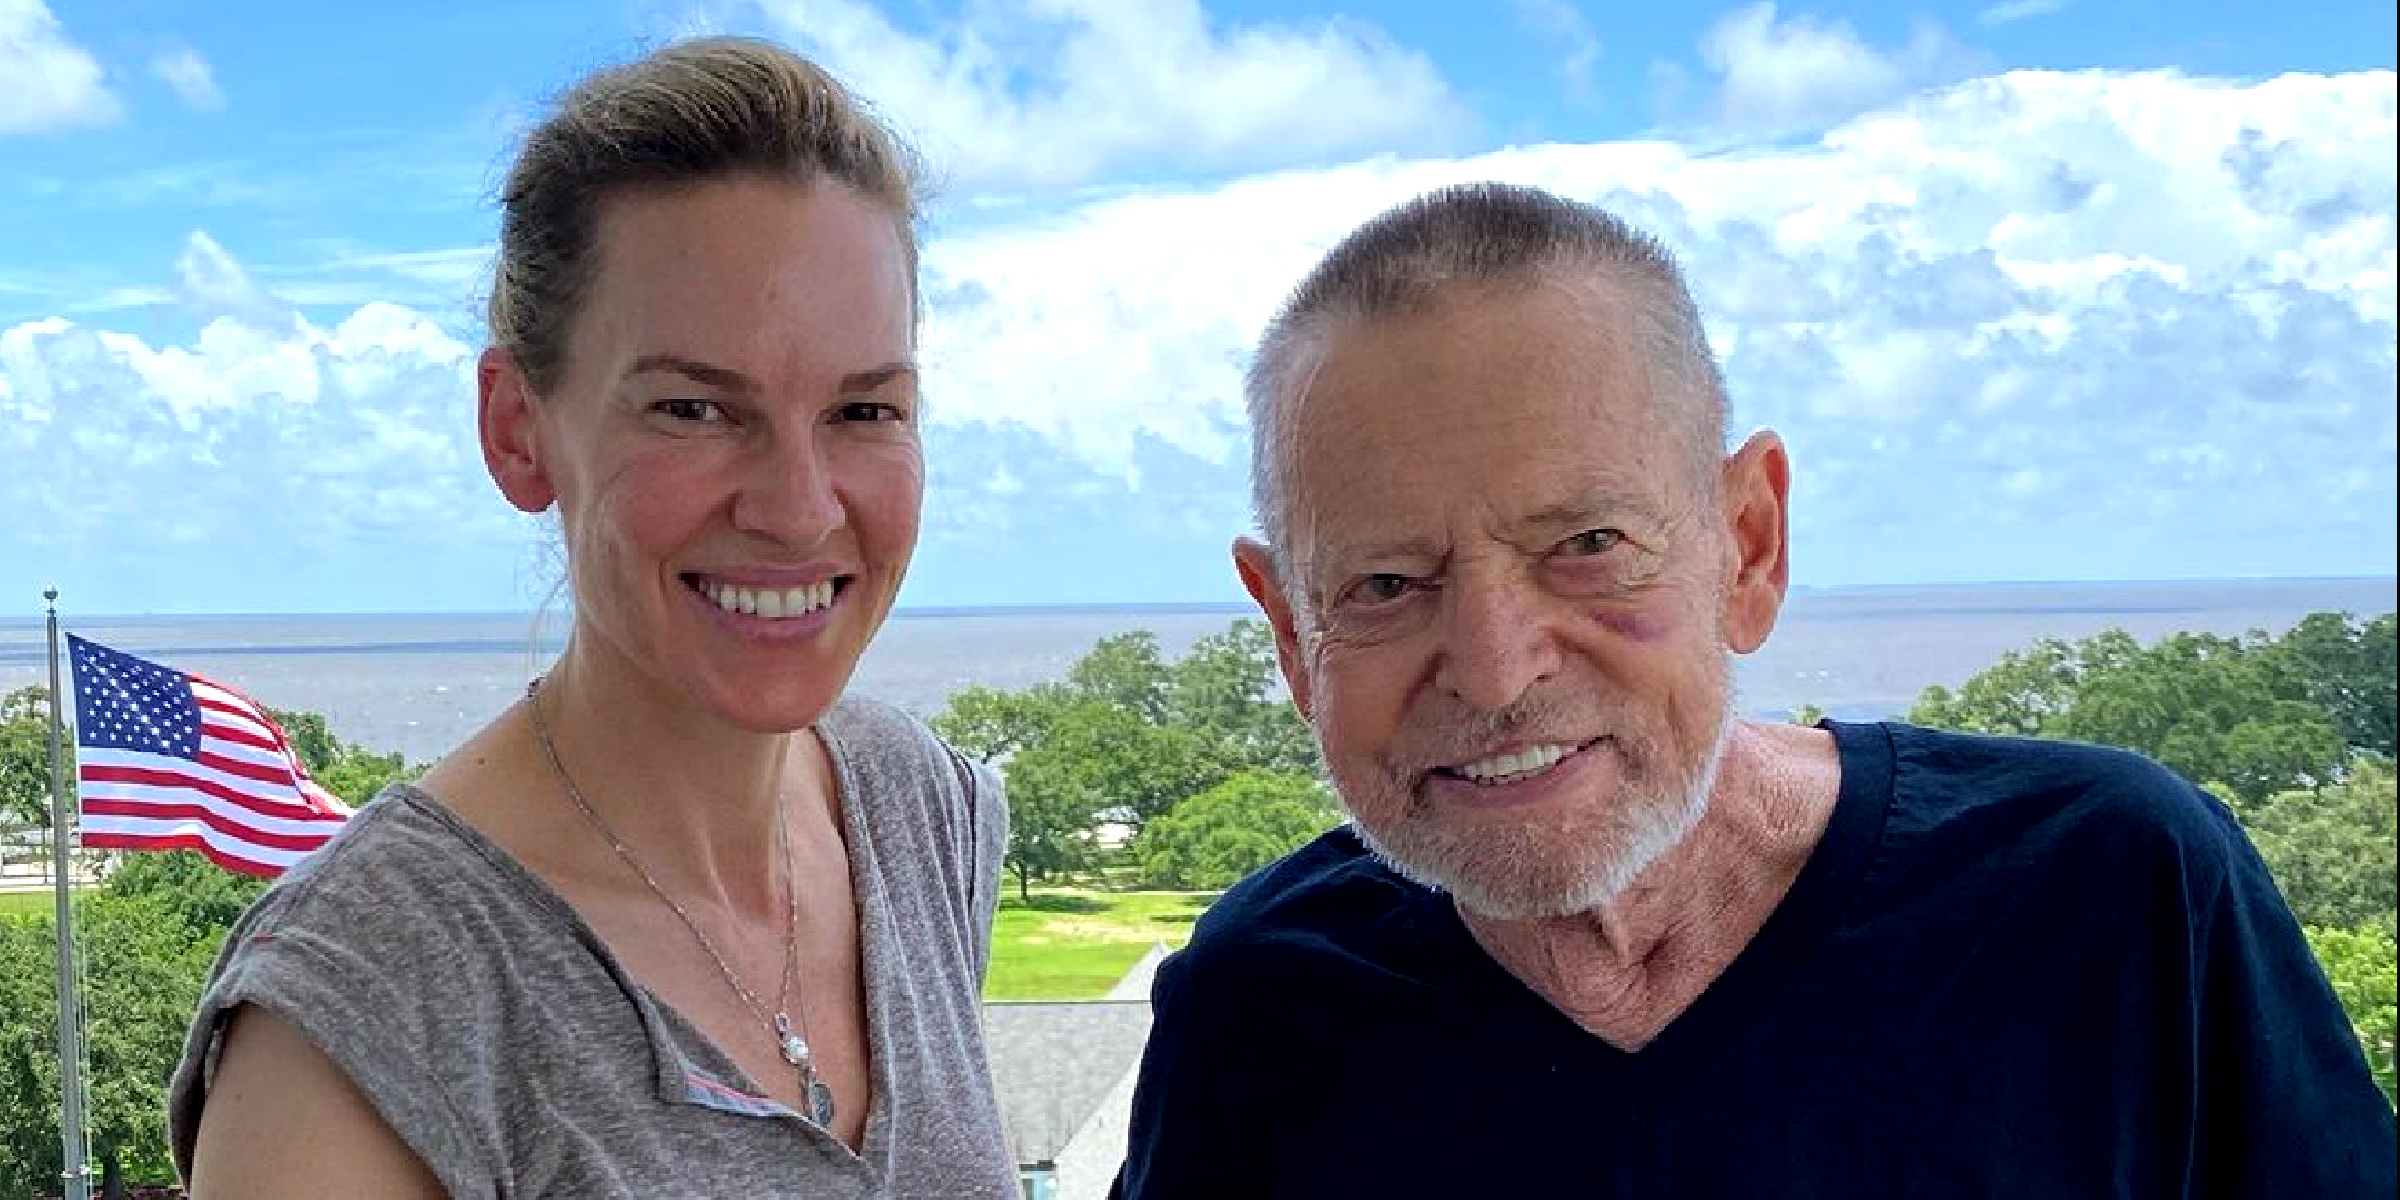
(1332, 900)
(2001, 789)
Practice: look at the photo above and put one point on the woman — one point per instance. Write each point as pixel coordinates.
(686, 921)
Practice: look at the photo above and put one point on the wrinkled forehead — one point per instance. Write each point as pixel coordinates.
(1495, 406)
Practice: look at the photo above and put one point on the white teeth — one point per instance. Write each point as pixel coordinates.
(771, 603)
(1522, 762)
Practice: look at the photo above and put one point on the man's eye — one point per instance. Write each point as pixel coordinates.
(869, 410)
(1592, 541)
(697, 411)
(1379, 589)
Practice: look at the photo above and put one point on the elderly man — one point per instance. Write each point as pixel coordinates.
(1587, 933)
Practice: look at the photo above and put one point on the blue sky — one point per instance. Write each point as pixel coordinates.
(2037, 289)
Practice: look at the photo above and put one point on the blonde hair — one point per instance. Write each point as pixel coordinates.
(694, 110)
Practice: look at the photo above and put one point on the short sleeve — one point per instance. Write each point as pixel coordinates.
(2287, 1106)
(988, 809)
(341, 995)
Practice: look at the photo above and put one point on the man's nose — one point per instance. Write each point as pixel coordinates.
(1498, 639)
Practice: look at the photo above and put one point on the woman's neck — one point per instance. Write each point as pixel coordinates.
(696, 799)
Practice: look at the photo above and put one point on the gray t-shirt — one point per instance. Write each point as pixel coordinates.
(510, 1050)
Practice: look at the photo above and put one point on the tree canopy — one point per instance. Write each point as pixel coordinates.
(1251, 819)
(2257, 715)
(1125, 738)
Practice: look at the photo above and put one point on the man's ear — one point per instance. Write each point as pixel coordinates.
(1256, 565)
(1757, 486)
(507, 419)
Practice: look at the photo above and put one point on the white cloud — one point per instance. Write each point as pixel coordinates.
(1572, 40)
(51, 82)
(2036, 325)
(264, 453)
(189, 75)
(2013, 11)
(214, 285)
(1779, 76)
(1043, 93)
(2068, 269)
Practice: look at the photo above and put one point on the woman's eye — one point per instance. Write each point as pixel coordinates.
(1592, 541)
(699, 411)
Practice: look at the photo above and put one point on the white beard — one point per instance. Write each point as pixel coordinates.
(1559, 866)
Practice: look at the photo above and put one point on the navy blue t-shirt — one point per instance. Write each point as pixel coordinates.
(2010, 969)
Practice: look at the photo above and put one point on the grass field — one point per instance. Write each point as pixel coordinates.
(1074, 945)
(14, 904)
(1065, 945)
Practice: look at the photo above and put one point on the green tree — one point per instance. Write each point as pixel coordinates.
(1124, 671)
(29, 1149)
(990, 724)
(143, 975)
(311, 738)
(1808, 715)
(351, 772)
(25, 757)
(1227, 688)
(2360, 965)
(1234, 828)
(143, 970)
(203, 896)
(2349, 670)
(2331, 849)
(356, 774)
(1123, 767)
(1050, 821)
(2217, 710)
(1126, 736)
(2021, 694)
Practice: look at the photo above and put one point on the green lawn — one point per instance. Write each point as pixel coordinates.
(1066, 945)
(1074, 945)
(27, 903)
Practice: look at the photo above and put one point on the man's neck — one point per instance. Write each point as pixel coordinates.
(1626, 970)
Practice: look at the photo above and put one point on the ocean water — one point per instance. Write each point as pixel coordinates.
(420, 683)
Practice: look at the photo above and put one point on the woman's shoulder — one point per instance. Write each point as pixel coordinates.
(888, 751)
(873, 724)
(405, 883)
(910, 779)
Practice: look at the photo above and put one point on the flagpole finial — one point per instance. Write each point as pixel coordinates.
(50, 594)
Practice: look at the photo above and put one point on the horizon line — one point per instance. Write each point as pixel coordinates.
(1063, 607)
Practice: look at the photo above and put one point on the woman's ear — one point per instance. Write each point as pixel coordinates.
(508, 421)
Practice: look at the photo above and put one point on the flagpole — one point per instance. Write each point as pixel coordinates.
(70, 1016)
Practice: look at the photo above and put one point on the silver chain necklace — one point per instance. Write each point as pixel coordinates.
(788, 1038)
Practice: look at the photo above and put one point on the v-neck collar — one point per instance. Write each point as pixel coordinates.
(689, 1066)
(1529, 1033)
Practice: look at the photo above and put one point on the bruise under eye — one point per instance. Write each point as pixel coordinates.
(1646, 624)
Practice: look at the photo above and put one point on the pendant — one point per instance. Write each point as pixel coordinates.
(795, 1048)
(813, 1092)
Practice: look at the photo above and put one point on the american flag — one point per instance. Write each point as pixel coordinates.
(170, 761)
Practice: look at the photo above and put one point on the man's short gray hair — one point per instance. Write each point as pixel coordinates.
(1404, 261)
